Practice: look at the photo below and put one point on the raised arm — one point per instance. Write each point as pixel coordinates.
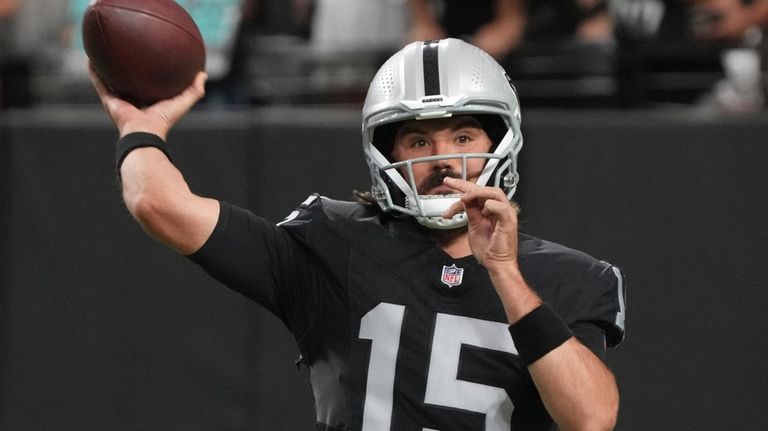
(505, 31)
(154, 191)
(578, 390)
(424, 22)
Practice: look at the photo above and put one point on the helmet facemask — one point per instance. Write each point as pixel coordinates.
(396, 187)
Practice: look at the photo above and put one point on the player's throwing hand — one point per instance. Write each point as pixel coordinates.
(157, 118)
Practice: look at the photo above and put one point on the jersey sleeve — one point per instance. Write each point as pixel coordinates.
(592, 336)
(263, 262)
(598, 299)
(585, 291)
(613, 305)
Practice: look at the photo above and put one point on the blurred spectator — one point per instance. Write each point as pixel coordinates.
(349, 39)
(595, 22)
(715, 22)
(359, 24)
(581, 20)
(8, 9)
(275, 17)
(500, 26)
(257, 18)
(738, 26)
(728, 20)
(39, 25)
(14, 64)
(496, 26)
(705, 53)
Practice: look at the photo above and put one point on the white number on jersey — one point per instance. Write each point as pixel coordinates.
(383, 326)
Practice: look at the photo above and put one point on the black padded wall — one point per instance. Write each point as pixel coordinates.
(103, 328)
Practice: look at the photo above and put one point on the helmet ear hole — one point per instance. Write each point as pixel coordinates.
(494, 127)
(384, 138)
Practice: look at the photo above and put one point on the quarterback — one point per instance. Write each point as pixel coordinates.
(420, 306)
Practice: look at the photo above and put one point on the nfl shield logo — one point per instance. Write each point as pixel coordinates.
(452, 275)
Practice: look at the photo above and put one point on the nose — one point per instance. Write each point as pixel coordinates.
(442, 148)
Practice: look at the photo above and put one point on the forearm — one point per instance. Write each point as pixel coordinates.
(160, 200)
(147, 177)
(758, 12)
(8, 7)
(505, 32)
(153, 189)
(511, 12)
(576, 387)
(421, 13)
(425, 24)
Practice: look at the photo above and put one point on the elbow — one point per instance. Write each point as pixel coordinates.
(592, 424)
(597, 416)
(147, 210)
(603, 418)
(605, 415)
(610, 415)
(605, 422)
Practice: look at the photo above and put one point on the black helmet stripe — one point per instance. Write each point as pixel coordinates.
(431, 68)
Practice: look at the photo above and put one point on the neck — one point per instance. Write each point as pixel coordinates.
(454, 242)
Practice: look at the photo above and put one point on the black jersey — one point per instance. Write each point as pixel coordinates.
(397, 334)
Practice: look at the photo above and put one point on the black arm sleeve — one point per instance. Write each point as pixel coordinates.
(263, 262)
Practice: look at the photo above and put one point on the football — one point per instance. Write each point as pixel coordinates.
(144, 50)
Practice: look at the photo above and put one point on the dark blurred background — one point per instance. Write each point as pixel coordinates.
(646, 144)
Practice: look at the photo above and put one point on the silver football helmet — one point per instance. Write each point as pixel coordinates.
(437, 79)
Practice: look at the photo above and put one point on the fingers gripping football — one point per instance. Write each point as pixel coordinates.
(157, 118)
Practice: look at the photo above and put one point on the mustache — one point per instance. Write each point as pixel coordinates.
(435, 179)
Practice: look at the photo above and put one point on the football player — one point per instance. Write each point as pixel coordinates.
(420, 306)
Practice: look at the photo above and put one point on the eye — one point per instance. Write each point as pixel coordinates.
(418, 143)
(464, 139)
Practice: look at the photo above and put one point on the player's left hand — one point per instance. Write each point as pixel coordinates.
(492, 222)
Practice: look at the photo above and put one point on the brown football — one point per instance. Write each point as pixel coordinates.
(144, 50)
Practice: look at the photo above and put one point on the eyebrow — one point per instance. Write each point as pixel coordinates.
(464, 122)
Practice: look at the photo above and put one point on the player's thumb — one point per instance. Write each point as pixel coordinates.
(171, 110)
(194, 92)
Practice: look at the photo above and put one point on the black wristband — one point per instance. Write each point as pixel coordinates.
(135, 140)
(538, 333)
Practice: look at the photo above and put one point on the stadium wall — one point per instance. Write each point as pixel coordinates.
(103, 328)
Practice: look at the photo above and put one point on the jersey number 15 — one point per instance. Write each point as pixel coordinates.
(383, 325)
